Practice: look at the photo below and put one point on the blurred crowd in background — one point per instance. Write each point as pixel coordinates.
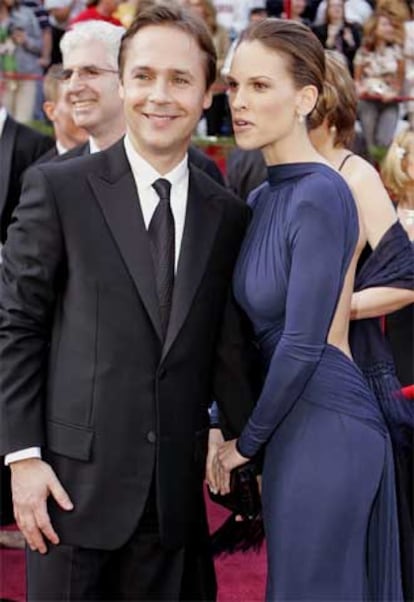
(375, 37)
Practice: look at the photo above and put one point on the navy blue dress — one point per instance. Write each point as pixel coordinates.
(329, 504)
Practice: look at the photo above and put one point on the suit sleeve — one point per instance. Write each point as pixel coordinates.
(315, 280)
(29, 276)
(236, 370)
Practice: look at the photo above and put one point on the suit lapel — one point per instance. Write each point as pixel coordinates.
(201, 223)
(116, 193)
(6, 153)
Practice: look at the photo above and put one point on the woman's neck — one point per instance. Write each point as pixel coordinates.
(292, 149)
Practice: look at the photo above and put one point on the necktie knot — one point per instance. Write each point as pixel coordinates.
(163, 188)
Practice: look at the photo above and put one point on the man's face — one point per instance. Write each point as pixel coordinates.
(66, 129)
(163, 86)
(92, 94)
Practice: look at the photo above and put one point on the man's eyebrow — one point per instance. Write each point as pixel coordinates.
(172, 70)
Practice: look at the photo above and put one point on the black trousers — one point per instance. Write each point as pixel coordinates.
(141, 570)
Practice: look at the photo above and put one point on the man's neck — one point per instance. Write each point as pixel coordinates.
(162, 162)
(111, 134)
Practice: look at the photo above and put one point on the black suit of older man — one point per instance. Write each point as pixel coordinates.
(20, 146)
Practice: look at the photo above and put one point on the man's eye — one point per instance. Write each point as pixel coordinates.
(66, 74)
(181, 81)
(91, 71)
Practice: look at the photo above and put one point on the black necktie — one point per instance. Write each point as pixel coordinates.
(162, 238)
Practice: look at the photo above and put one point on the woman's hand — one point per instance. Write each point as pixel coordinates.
(226, 460)
(215, 440)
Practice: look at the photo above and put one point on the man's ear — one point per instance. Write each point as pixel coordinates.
(49, 109)
(208, 98)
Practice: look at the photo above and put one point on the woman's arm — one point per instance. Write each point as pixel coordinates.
(379, 301)
(315, 281)
(377, 215)
(399, 77)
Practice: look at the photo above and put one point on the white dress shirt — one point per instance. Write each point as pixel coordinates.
(3, 116)
(144, 176)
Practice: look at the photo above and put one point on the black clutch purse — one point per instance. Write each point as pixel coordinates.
(244, 496)
(242, 501)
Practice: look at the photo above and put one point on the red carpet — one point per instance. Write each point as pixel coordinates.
(241, 577)
(12, 577)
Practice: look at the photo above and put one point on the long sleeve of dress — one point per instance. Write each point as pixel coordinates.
(319, 259)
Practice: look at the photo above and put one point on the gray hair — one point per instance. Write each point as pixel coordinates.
(93, 31)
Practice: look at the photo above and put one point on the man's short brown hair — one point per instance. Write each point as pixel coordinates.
(176, 16)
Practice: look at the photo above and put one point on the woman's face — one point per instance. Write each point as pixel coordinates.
(335, 10)
(262, 96)
(385, 30)
(298, 6)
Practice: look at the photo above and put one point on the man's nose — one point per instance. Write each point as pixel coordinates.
(160, 91)
(74, 82)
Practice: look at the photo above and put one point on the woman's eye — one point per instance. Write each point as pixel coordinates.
(232, 85)
(260, 86)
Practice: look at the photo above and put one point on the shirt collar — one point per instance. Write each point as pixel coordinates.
(93, 148)
(145, 173)
(3, 117)
(61, 150)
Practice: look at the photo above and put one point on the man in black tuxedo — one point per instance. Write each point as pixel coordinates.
(117, 329)
(20, 146)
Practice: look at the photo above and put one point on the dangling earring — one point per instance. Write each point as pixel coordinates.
(301, 118)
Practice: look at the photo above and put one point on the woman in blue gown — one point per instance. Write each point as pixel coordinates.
(329, 504)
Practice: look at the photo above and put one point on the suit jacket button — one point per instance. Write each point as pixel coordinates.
(151, 437)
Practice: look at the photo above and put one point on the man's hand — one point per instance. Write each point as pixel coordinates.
(215, 439)
(32, 482)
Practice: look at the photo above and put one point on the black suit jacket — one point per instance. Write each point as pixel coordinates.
(20, 146)
(85, 373)
(50, 155)
(195, 156)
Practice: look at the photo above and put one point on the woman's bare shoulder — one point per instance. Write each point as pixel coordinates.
(357, 171)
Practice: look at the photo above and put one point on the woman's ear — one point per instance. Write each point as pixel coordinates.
(306, 100)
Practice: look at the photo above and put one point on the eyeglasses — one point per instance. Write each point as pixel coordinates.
(84, 73)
